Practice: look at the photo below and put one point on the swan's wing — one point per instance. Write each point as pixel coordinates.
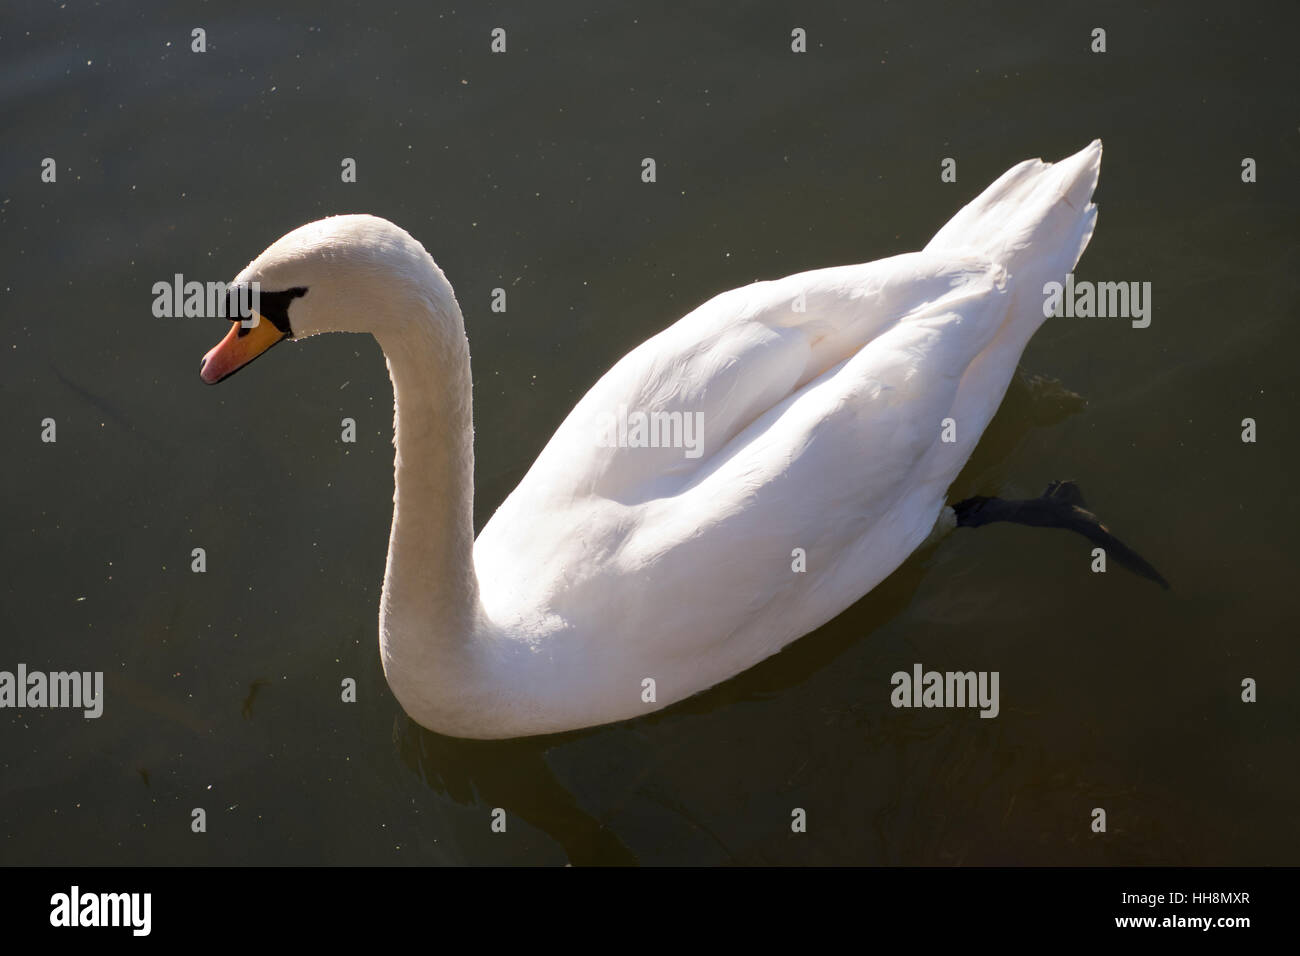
(851, 468)
(796, 431)
(714, 372)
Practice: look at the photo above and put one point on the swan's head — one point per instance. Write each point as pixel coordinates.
(341, 274)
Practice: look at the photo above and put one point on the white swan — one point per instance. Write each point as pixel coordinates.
(822, 398)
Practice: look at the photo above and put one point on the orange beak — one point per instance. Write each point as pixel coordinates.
(238, 348)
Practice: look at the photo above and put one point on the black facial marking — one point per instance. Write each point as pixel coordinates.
(274, 307)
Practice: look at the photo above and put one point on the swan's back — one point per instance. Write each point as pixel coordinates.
(823, 398)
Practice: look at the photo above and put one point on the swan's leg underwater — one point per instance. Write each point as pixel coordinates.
(1060, 506)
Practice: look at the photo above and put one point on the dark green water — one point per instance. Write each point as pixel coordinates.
(522, 171)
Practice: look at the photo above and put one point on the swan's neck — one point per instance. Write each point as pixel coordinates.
(430, 610)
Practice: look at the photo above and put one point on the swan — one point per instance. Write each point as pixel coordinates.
(631, 569)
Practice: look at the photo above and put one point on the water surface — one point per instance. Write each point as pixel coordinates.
(522, 171)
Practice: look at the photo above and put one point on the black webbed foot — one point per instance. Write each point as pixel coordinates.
(1060, 506)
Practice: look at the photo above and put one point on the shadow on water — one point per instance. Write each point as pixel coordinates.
(515, 774)
(1032, 401)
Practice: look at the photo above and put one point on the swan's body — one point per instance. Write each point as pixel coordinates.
(610, 565)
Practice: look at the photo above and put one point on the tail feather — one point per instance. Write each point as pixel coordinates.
(1035, 220)
(1043, 202)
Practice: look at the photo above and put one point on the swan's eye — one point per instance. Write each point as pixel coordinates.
(274, 306)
